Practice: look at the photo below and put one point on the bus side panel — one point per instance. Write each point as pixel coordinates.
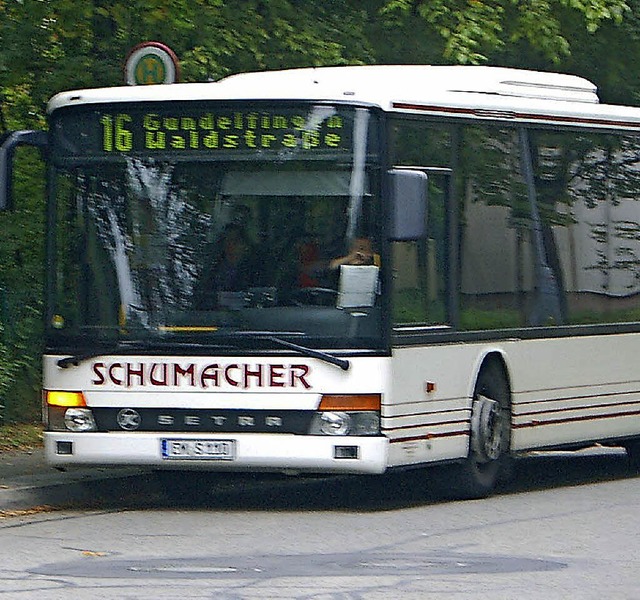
(567, 390)
(575, 389)
(424, 424)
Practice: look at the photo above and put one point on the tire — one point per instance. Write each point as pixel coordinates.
(633, 452)
(489, 457)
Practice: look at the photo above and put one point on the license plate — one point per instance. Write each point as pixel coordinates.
(198, 449)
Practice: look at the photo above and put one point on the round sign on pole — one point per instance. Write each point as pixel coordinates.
(151, 63)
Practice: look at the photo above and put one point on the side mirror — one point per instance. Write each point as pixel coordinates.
(8, 144)
(408, 204)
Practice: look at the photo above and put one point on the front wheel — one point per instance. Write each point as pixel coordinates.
(633, 452)
(490, 436)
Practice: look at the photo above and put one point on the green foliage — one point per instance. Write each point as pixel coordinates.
(49, 46)
(474, 30)
(21, 285)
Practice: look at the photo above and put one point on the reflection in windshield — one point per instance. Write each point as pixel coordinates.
(150, 249)
(151, 242)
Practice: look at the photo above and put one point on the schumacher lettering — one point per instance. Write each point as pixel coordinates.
(215, 375)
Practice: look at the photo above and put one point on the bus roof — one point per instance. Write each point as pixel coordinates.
(467, 91)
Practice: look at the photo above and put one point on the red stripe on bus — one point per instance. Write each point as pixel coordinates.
(535, 423)
(584, 397)
(429, 436)
(586, 407)
(513, 115)
(420, 425)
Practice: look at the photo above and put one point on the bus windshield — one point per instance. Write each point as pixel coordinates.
(163, 234)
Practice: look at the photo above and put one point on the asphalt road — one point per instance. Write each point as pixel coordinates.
(565, 527)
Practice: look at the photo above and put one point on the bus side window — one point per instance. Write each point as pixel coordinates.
(417, 289)
(497, 252)
(587, 194)
(419, 267)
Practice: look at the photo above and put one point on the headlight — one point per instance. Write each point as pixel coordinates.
(334, 423)
(345, 423)
(79, 419)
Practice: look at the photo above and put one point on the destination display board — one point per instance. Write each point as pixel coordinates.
(189, 129)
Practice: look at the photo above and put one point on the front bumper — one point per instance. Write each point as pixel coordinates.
(259, 452)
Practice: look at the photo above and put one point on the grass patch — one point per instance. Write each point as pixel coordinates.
(20, 437)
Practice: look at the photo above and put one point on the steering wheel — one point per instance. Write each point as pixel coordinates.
(315, 296)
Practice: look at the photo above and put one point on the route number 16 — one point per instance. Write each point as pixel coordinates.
(115, 135)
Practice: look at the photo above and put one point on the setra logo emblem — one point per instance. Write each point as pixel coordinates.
(129, 419)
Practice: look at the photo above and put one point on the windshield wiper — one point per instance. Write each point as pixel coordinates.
(75, 360)
(269, 336)
(343, 363)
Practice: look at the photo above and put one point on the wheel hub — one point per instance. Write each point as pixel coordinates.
(487, 428)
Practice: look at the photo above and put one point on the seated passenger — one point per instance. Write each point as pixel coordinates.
(314, 273)
(232, 271)
(360, 253)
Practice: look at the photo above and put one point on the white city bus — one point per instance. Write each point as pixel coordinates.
(205, 311)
